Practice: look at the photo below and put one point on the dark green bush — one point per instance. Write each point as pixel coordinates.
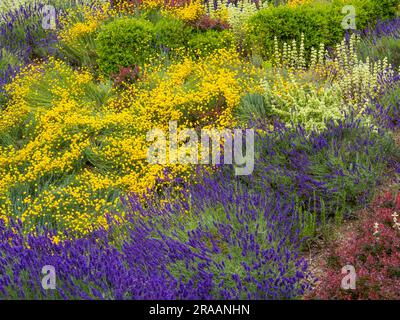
(124, 42)
(320, 23)
(385, 8)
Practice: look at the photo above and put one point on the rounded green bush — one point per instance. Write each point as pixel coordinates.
(319, 22)
(171, 33)
(124, 42)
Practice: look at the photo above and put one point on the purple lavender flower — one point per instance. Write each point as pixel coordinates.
(21, 33)
(384, 28)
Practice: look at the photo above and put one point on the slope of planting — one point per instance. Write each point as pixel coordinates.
(87, 87)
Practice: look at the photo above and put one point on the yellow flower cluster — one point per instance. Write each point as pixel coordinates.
(66, 159)
(295, 3)
(188, 12)
(78, 23)
(152, 4)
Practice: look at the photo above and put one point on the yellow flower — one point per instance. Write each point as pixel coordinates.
(77, 157)
(188, 12)
(82, 21)
(55, 239)
(295, 3)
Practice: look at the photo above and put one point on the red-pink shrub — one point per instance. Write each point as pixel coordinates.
(373, 248)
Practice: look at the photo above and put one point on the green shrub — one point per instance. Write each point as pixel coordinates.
(321, 23)
(171, 33)
(124, 42)
(385, 8)
(207, 42)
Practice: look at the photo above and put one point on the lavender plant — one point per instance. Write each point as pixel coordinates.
(216, 242)
(22, 33)
(329, 173)
(385, 109)
(382, 41)
(22, 39)
(222, 237)
(91, 268)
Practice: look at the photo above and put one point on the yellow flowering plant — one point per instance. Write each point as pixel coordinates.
(78, 30)
(188, 12)
(83, 20)
(66, 159)
(295, 3)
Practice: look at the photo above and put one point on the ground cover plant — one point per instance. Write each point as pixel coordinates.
(374, 250)
(86, 87)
